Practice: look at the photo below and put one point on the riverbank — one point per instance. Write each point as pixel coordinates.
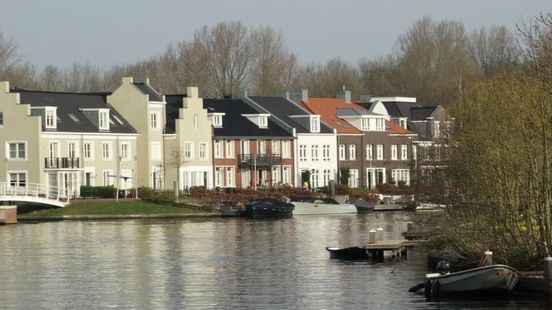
(95, 209)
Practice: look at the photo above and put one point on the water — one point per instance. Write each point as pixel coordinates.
(212, 264)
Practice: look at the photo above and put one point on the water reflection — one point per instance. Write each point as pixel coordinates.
(206, 264)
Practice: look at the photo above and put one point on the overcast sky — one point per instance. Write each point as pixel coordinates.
(108, 32)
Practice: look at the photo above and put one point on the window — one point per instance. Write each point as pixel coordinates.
(402, 123)
(230, 149)
(263, 121)
(394, 152)
(17, 150)
(353, 178)
(72, 150)
(275, 147)
(88, 150)
(404, 152)
(203, 151)
(401, 175)
(217, 120)
(18, 179)
(156, 151)
(286, 149)
(326, 152)
(342, 152)
(262, 147)
(315, 124)
(379, 152)
(125, 151)
(352, 152)
(314, 152)
(327, 174)
(196, 122)
(314, 178)
(219, 175)
(365, 124)
(53, 149)
(369, 152)
(303, 152)
(154, 120)
(230, 176)
(188, 150)
(286, 175)
(73, 117)
(275, 175)
(436, 129)
(106, 150)
(380, 124)
(104, 116)
(1, 119)
(218, 149)
(108, 177)
(119, 121)
(51, 118)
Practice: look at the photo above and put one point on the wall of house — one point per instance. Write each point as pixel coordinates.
(19, 126)
(135, 107)
(318, 165)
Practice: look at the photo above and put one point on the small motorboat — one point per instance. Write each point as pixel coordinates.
(485, 279)
(350, 253)
(361, 205)
(267, 208)
(322, 206)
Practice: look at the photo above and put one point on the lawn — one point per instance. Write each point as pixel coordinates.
(92, 207)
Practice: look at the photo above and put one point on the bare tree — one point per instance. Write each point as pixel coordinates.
(326, 80)
(493, 48)
(8, 53)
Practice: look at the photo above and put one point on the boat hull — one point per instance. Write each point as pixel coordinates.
(350, 253)
(309, 208)
(495, 278)
(268, 212)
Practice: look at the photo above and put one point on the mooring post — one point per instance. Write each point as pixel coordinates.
(372, 236)
(488, 258)
(379, 234)
(548, 270)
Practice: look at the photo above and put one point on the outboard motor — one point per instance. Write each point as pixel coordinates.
(443, 267)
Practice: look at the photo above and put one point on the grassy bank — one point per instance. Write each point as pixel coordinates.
(94, 207)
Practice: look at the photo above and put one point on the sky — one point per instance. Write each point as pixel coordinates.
(110, 32)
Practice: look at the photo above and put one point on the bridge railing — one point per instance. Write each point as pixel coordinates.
(33, 190)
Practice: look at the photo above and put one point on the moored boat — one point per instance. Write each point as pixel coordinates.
(361, 205)
(322, 206)
(485, 279)
(350, 253)
(268, 208)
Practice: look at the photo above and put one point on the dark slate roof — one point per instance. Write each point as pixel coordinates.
(236, 125)
(422, 113)
(146, 89)
(174, 103)
(71, 103)
(282, 109)
(399, 109)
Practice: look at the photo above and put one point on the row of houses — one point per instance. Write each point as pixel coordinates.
(135, 136)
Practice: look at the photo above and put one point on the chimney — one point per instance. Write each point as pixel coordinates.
(283, 94)
(302, 95)
(239, 94)
(344, 95)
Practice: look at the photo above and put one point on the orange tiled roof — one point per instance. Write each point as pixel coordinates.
(394, 128)
(326, 108)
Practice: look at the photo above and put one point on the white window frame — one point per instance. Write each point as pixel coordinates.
(72, 147)
(107, 179)
(379, 152)
(352, 151)
(263, 121)
(125, 151)
(18, 179)
(188, 150)
(203, 151)
(50, 118)
(315, 123)
(314, 152)
(103, 120)
(369, 152)
(286, 174)
(342, 152)
(230, 177)
(53, 149)
(380, 124)
(88, 154)
(353, 178)
(154, 120)
(302, 152)
(196, 121)
(219, 176)
(275, 147)
(365, 124)
(394, 152)
(230, 149)
(326, 152)
(217, 120)
(218, 149)
(404, 152)
(107, 150)
(436, 129)
(261, 147)
(286, 149)
(401, 175)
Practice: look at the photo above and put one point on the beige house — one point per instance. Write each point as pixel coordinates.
(188, 141)
(64, 140)
(144, 108)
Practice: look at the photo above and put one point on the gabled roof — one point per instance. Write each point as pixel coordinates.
(421, 113)
(283, 109)
(174, 103)
(146, 89)
(236, 125)
(395, 129)
(327, 109)
(69, 110)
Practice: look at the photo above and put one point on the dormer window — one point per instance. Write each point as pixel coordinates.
(263, 121)
(402, 123)
(217, 120)
(51, 118)
(380, 124)
(315, 124)
(365, 124)
(103, 120)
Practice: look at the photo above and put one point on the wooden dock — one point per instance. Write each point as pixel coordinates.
(389, 207)
(377, 249)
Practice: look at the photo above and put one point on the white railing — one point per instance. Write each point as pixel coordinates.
(33, 190)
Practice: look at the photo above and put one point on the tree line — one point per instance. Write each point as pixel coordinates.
(433, 60)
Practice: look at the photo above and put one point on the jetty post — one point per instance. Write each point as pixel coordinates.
(488, 258)
(548, 270)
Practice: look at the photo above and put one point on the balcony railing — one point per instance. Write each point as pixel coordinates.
(61, 162)
(260, 160)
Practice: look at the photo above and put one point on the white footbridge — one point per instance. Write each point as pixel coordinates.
(33, 193)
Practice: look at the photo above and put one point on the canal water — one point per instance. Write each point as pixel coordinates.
(213, 264)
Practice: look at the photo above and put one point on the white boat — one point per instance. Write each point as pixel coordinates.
(322, 206)
(491, 278)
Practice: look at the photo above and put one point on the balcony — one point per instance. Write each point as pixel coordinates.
(259, 160)
(61, 162)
